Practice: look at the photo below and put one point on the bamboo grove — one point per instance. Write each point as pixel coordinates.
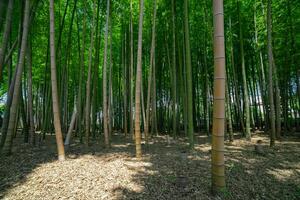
(89, 69)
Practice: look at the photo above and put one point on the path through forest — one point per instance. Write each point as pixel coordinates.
(165, 172)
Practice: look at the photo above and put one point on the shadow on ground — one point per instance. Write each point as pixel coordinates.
(168, 170)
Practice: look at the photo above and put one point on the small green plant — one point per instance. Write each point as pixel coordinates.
(171, 178)
(224, 192)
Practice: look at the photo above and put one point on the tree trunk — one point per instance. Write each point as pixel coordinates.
(16, 94)
(277, 98)
(188, 76)
(88, 83)
(271, 63)
(81, 77)
(30, 99)
(3, 4)
(7, 109)
(150, 75)
(96, 74)
(105, 113)
(7, 30)
(218, 167)
(174, 72)
(55, 103)
(246, 96)
(22, 109)
(235, 82)
(71, 127)
(261, 70)
(110, 81)
(153, 113)
(138, 85)
(229, 119)
(207, 94)
(125, 82)
(131, 79)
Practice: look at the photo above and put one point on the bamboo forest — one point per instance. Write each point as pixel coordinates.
(149, 99)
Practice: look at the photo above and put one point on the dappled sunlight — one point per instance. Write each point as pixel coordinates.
(281, 174)
(85, 177)
(166, 171)
(203, 148)
(120, 145)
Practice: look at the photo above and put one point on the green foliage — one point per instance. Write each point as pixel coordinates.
(225, 193)
(286, 41)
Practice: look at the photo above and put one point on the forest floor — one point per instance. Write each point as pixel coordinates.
(165, 171)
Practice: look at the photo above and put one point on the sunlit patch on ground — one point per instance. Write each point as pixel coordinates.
(281, 174)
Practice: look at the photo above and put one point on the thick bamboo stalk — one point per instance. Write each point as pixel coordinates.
(138, 85)
(104, 73)
(55, 103)
(271, 64)
(218, 167)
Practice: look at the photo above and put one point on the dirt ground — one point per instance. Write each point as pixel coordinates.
(165, 172)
